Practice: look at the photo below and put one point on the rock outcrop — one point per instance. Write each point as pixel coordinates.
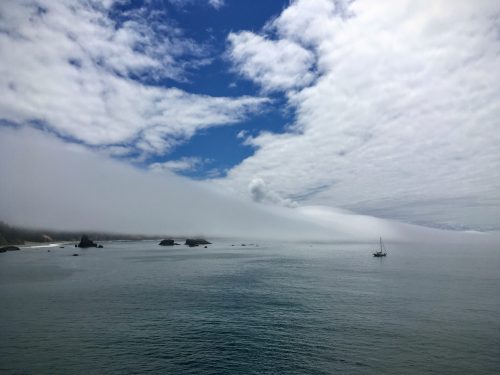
(192, 242)
(86, 242)
(167, 242)
(8, 248)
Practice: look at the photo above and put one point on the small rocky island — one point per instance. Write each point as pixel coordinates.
(86, 242)
(168, 242)
(193, 242)
(8, 248)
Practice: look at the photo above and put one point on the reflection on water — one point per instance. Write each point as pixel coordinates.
(278, 308)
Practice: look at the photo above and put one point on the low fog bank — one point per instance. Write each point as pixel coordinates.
(362, 228)
(47, 183)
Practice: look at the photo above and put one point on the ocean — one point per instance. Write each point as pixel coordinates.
(275, 308)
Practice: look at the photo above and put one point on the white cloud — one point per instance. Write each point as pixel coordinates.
(184, 164)
(217, 3)
(402, 120)
(242, 134)
(275, 65)
(70, 67)
(261, 193)
(310, 22)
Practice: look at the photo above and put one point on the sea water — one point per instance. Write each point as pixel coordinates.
(275, 308)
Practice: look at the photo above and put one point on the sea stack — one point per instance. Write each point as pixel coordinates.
(8, 248)
(167, 242)
(192, 242)
(86, 242)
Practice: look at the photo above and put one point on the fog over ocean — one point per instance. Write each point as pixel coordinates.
(63, 186)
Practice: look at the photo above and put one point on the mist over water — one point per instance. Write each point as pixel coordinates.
(135, 307)
(47, 183)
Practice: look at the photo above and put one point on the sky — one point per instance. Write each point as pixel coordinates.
(298, 109)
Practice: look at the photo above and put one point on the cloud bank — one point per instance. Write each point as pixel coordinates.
(47, 183)
(402, 118)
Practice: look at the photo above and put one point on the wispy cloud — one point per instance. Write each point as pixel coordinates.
(217, 4)
(78, 70)
(184, 164)
(402, 118)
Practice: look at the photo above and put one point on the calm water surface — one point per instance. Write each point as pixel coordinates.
(137, 308)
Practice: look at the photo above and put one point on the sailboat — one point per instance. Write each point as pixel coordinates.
(381, 252)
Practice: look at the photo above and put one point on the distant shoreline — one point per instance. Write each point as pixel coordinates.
(29, 244)
(26, 237)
